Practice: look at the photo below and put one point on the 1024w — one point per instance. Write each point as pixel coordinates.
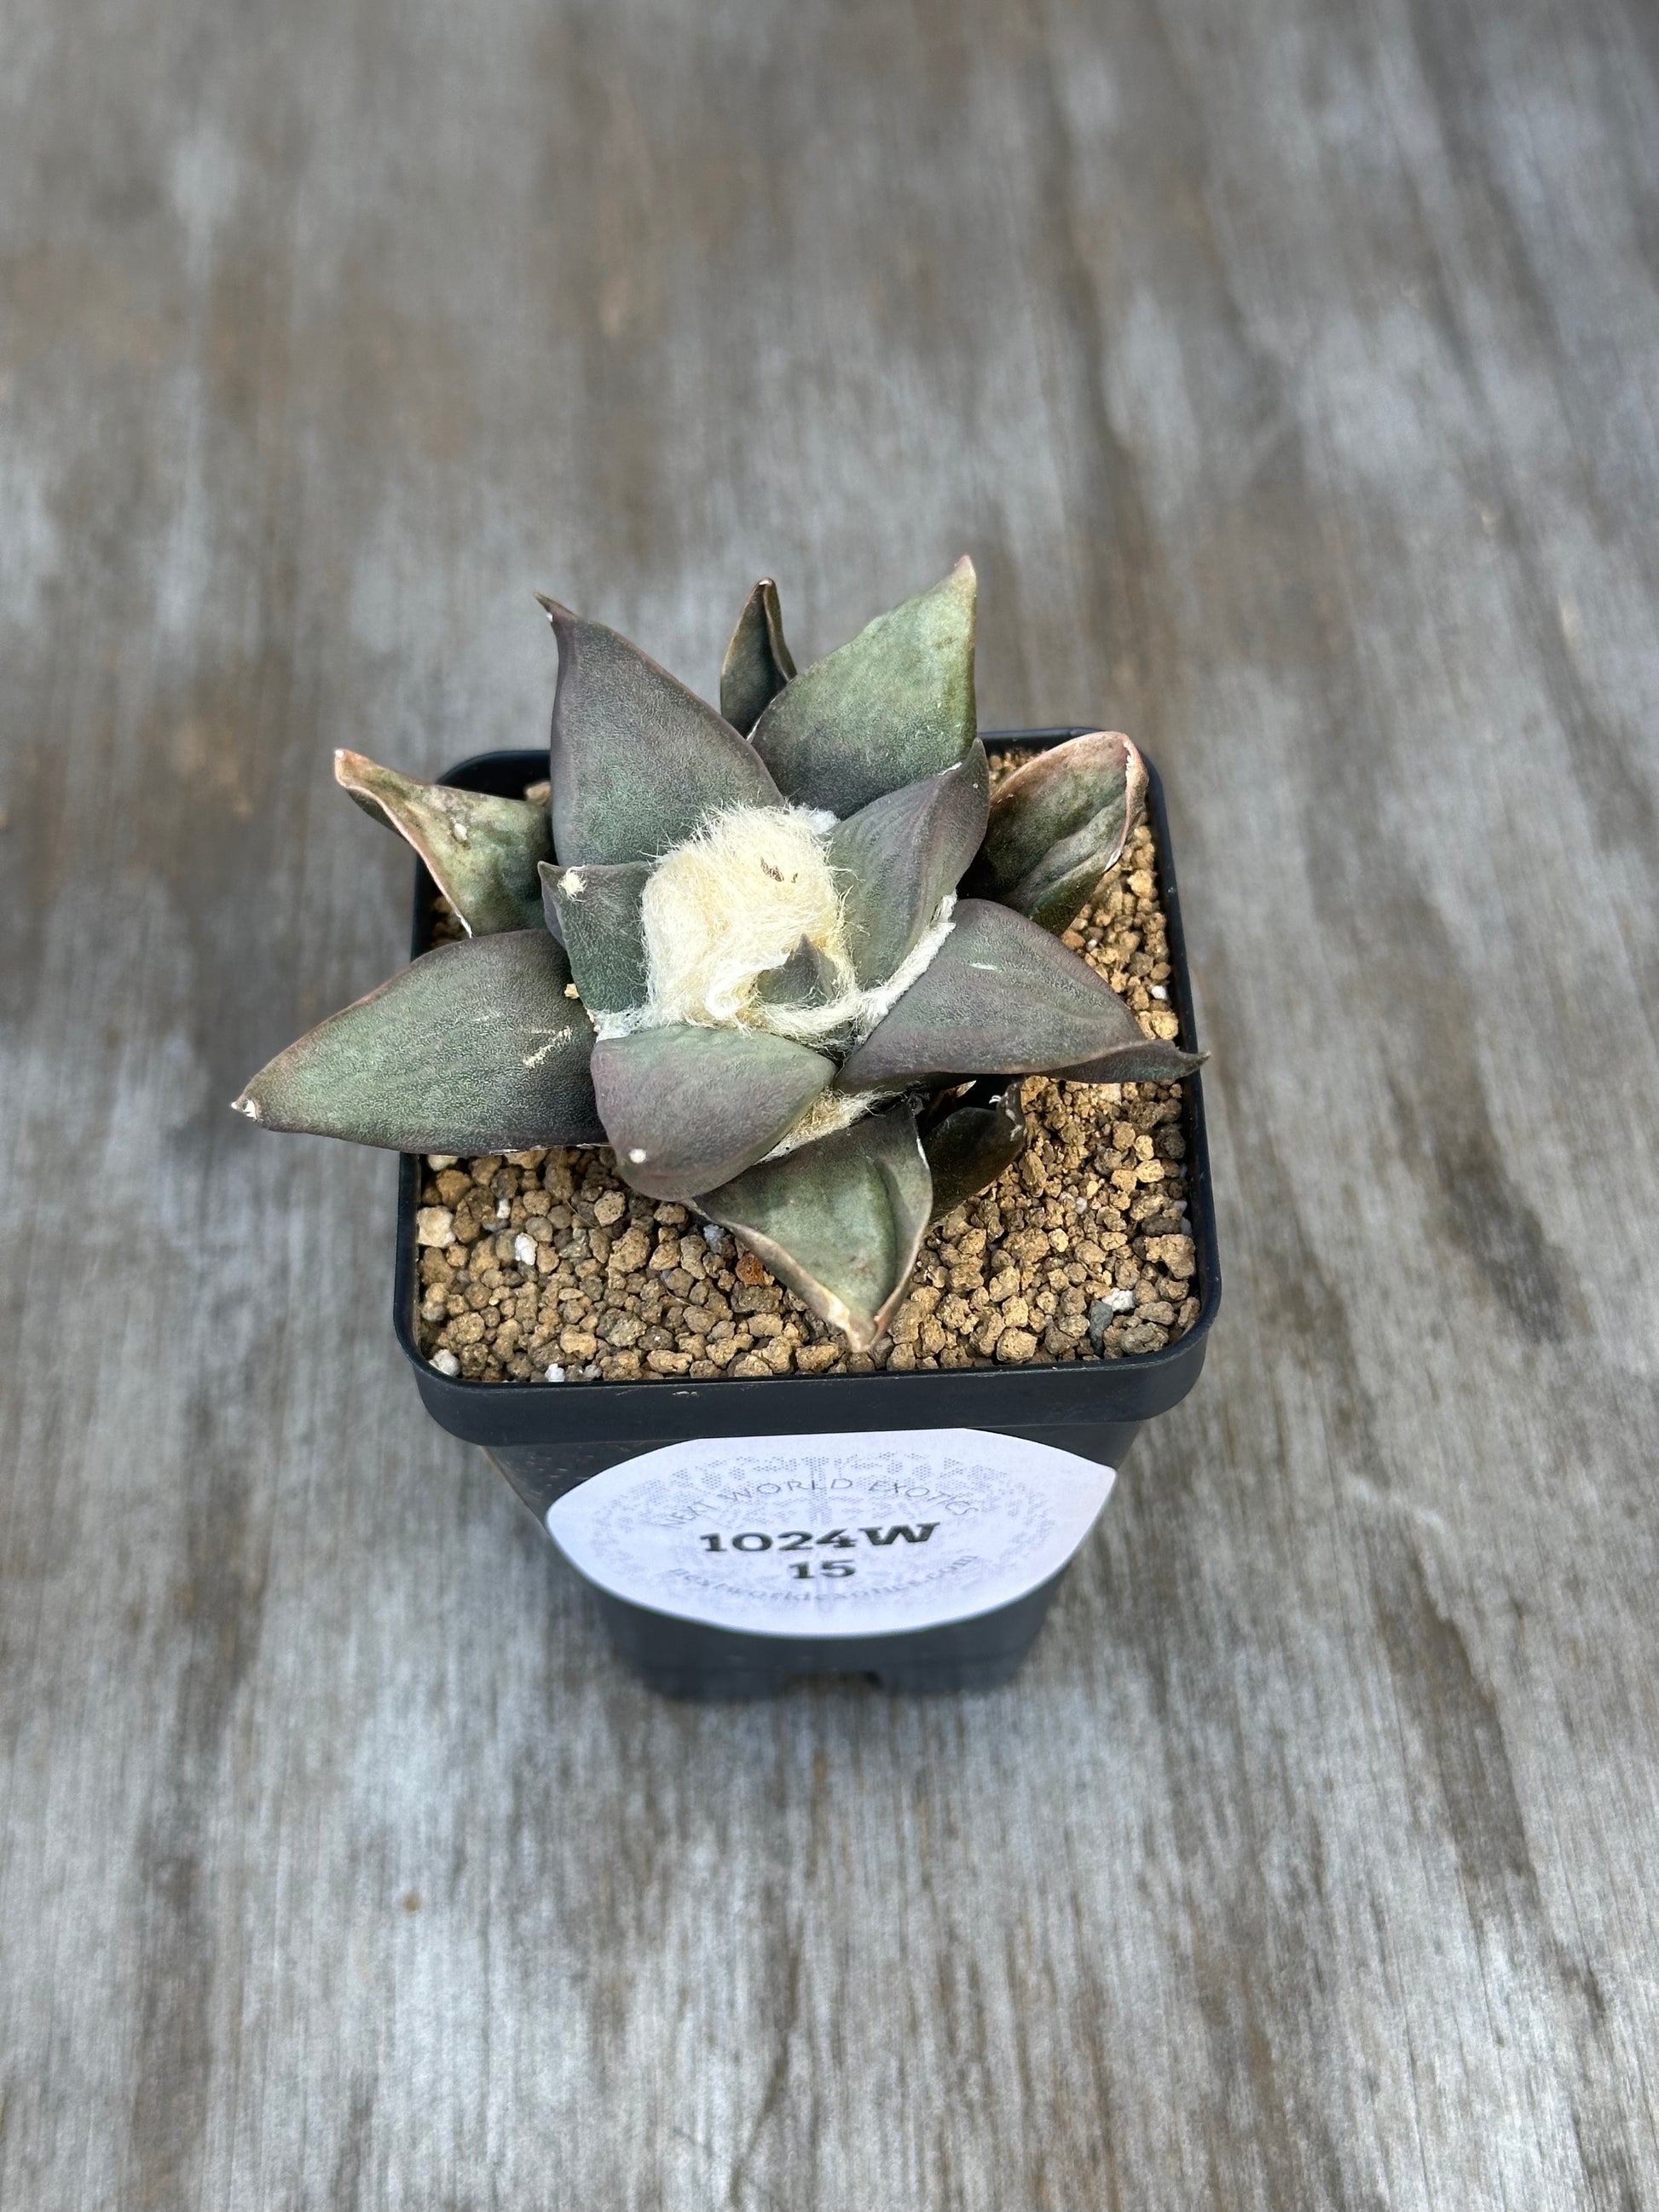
(801, 1539)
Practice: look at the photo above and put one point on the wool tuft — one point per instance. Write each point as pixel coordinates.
(733, 902)
(730, 906)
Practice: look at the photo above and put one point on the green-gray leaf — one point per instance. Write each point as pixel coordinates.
(757, 663)
(1057, 825)
(689, 1108)
(894, 705)
(595, 915)
(975, 1140)
(840, 1220)
(1004, 997)
(806, 978)
(474, 1049)
(481, 851)
(636, 760)
(897, 858)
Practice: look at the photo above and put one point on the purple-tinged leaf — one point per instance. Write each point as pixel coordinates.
(840, 1220)
(689, 1108)
(474, 1049)
(897, 858)
(894, 705)
(757, 663)
(807, 978)
(974, 1140)
(636, 761)
(482, 852)
(1004, 997)
(1057, 825)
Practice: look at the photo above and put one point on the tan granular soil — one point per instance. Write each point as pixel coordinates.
(544, 1265)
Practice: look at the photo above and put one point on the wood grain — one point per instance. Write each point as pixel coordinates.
(1289, 371)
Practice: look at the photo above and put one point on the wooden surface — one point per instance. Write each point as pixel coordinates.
(1289, 370)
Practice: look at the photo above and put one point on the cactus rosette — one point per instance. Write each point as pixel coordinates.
(789, 961)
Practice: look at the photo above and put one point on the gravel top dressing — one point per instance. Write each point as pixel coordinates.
(546, 1264)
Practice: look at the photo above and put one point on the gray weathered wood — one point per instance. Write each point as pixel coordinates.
(1289, 371)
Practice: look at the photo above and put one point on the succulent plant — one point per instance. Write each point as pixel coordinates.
(789, 960)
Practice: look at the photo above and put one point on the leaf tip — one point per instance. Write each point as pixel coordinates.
(246, 1104)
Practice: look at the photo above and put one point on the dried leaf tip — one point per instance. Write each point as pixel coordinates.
(245, 1105)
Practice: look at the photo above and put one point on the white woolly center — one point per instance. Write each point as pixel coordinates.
(731, 904)
(730, 907)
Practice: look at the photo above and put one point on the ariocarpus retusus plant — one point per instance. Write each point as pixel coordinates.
(788, 960)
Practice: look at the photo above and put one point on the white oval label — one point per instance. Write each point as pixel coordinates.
(859, 1534)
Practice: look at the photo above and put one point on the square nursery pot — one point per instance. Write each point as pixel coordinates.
(547, 1440)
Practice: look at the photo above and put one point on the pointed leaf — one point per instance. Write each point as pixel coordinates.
(757, 664)
(637, 760)
(807, 978)
(687, 1107)
(840, 1220)
(1057, 825)
(975, 1140)
(1003, 997)
(474, 1049)
(595, 915)
(481, 851)
(897, 858)
(894, 706)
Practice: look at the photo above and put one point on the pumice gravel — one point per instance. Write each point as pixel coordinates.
(544, 1265)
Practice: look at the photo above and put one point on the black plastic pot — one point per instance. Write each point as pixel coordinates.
(546, 1439)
